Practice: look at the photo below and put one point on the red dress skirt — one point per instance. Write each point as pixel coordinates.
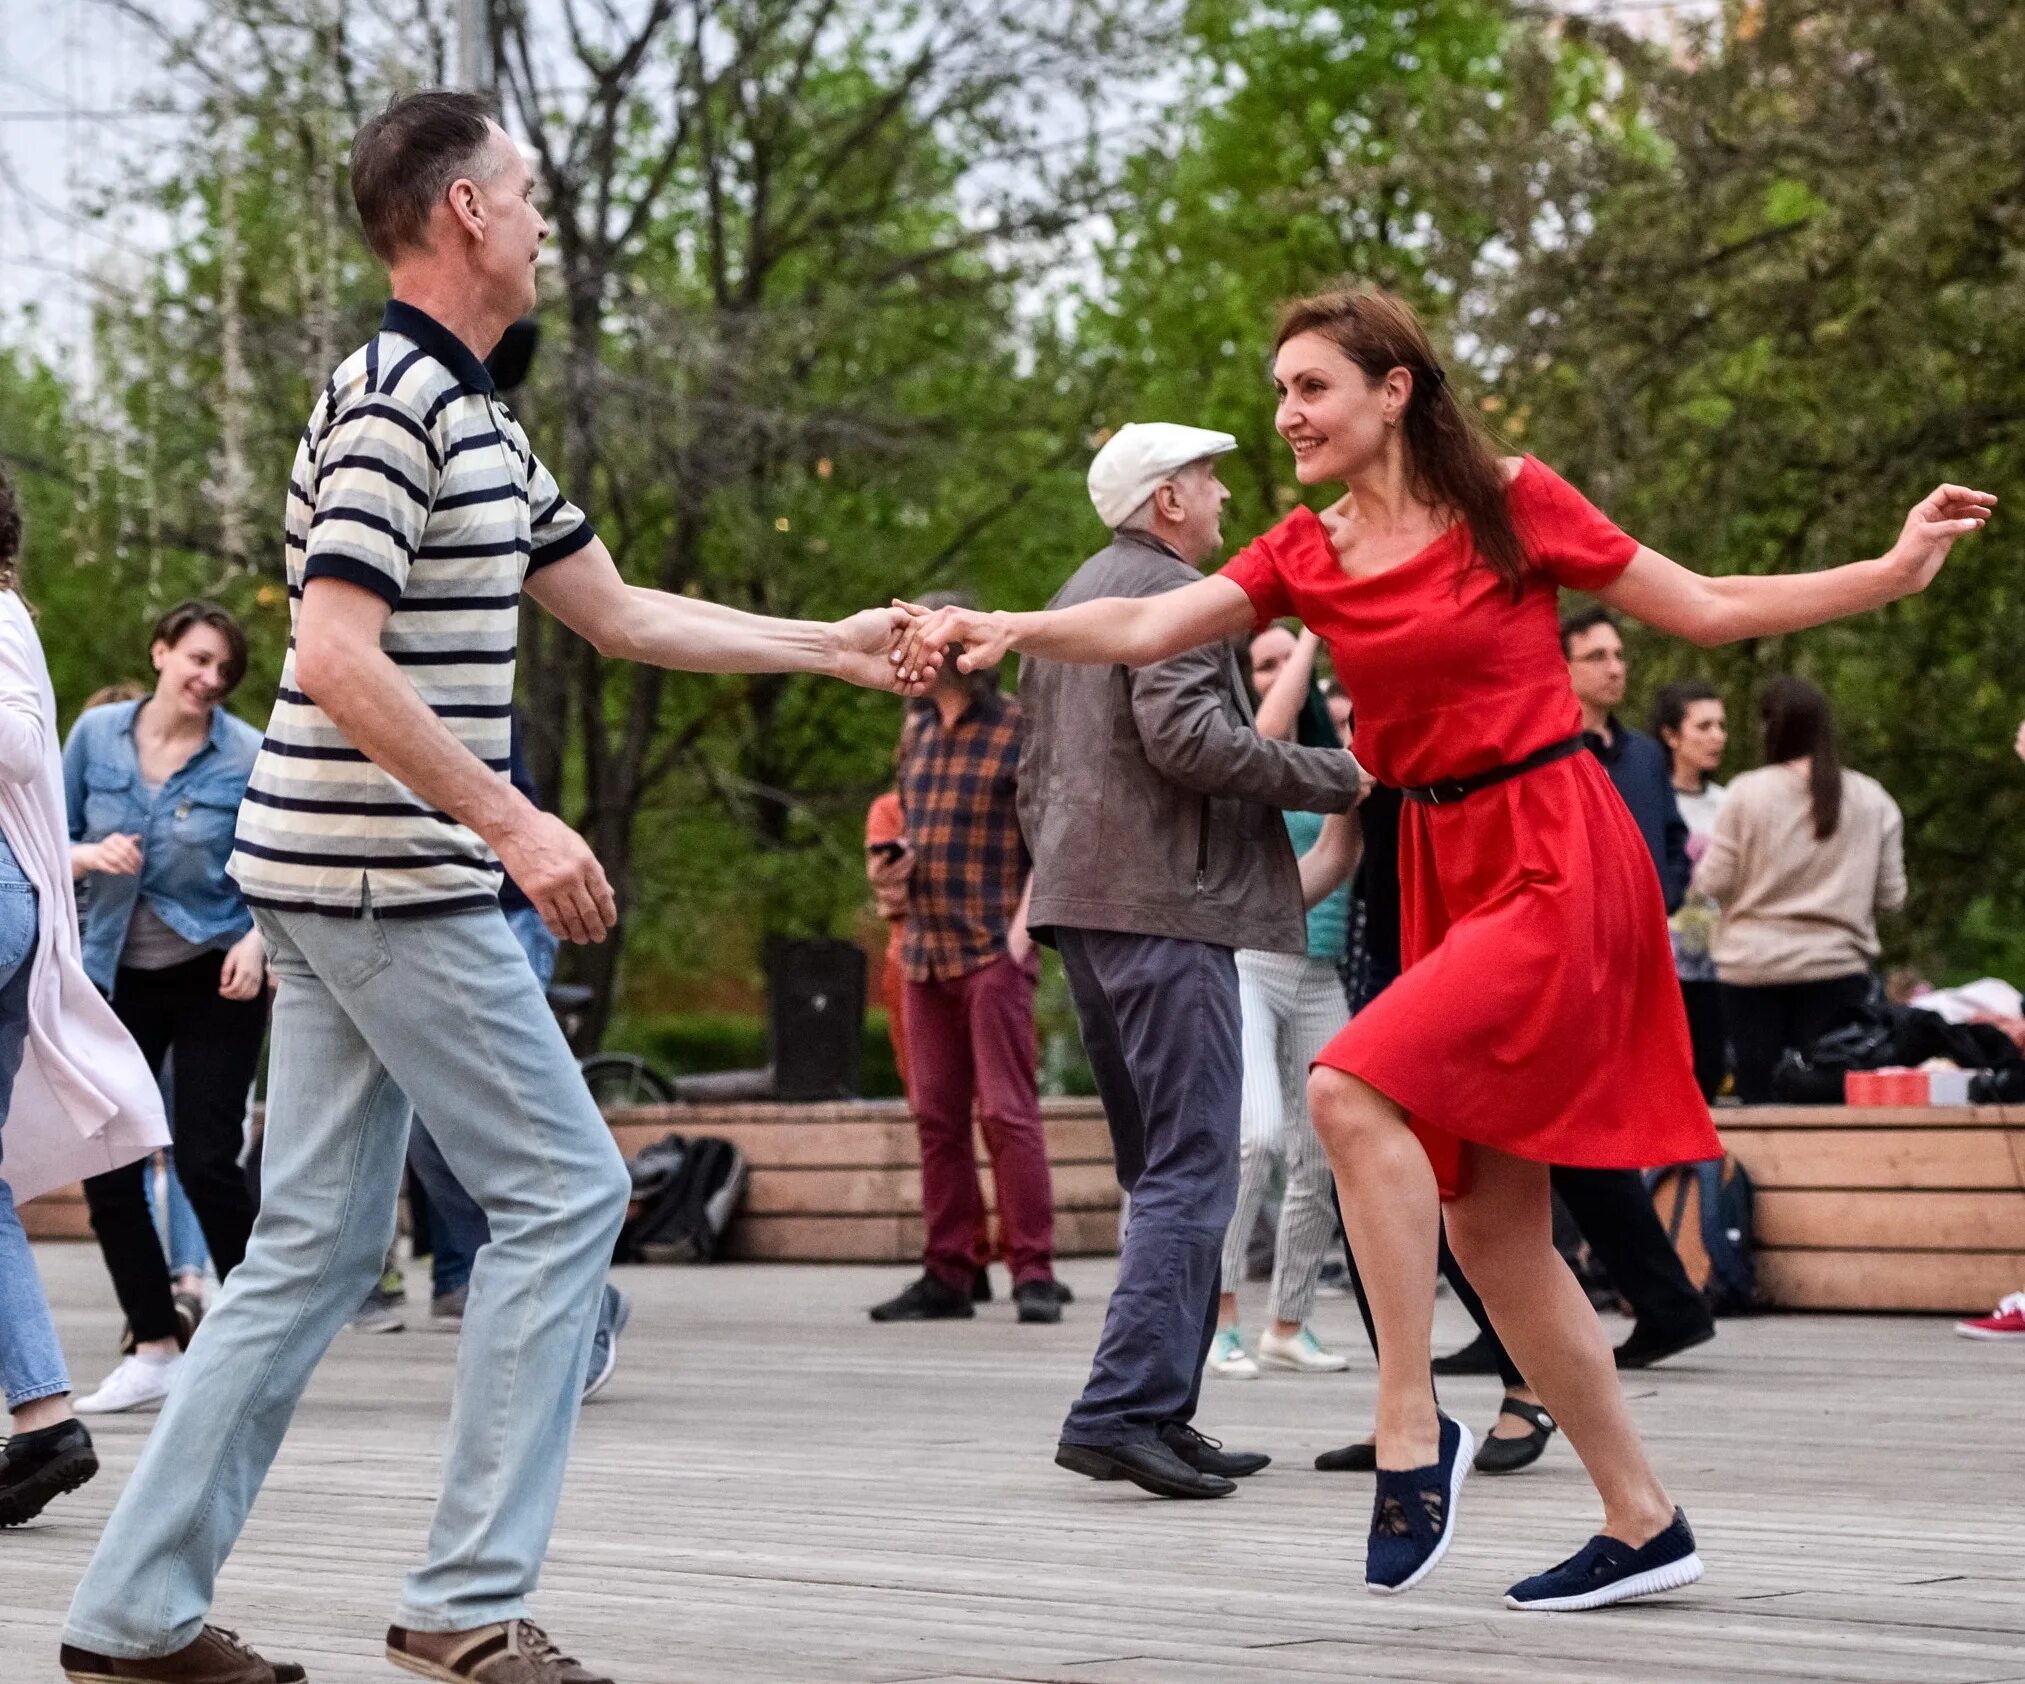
(1538, 1011)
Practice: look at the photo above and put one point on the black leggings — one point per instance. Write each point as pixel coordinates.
(217, 1046)
(1708, 1034)
(1765, 1021)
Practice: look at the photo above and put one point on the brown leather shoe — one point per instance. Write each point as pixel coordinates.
(517, 1652)
(217, 1657)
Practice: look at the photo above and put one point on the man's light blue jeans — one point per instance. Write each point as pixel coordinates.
(371, 1014)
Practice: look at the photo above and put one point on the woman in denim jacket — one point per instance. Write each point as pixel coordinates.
(154, 788)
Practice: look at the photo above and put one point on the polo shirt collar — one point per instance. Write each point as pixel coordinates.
(1610, 748)
(440, 343)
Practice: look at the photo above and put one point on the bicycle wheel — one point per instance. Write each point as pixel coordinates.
(620, 1079)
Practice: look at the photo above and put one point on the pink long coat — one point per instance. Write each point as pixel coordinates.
(84, 1101)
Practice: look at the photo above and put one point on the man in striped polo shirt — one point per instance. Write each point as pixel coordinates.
(376, 825)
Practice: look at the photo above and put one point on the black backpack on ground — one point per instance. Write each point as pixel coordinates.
(1705, 1208)
(685, 1193)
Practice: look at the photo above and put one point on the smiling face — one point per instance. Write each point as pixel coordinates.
(192, 671)
(1703, 735)
(1334, 417)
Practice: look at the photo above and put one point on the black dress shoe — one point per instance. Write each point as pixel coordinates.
(1037, 1301)
(980, 1287)
(38, 1467)
(1207, 1455)
(928, 1299)
(1479, 1356)
(1648, 1345)
(1147, 1463)
(1351, 1459)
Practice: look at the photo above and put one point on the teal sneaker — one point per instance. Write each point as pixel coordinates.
(1227, 1356)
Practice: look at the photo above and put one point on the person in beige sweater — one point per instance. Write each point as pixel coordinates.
(1804, 856)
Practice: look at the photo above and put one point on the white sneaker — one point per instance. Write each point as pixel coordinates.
(1302, 1353)
(1227, 1356)
(138, 1383)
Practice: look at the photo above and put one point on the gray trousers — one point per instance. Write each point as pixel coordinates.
(1160, 1023)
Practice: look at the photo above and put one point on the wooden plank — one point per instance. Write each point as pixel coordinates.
(1865, 1116)
(828, 1142)
(1949, 1282)
(856, 1192)
(59, 1214)
(1892, 1220)
(773, 1490)
(1967, 1159)
(890, 1238)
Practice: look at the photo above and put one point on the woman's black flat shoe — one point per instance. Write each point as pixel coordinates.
(1509, 1455)
(1351, 1459)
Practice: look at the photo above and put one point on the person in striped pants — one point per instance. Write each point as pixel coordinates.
(1293, 1004)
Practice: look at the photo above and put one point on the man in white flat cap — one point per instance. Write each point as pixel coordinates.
(1147, 798)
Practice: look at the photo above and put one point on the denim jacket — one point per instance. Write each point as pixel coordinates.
(185, 832)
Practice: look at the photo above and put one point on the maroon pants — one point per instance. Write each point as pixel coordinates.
(970, 1044)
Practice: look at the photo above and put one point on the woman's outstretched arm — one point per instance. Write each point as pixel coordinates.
(1133, 631)
(1710, 611)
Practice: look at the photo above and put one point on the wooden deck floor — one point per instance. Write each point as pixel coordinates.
(774, 1491)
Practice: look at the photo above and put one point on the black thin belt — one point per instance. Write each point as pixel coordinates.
(1439, 795)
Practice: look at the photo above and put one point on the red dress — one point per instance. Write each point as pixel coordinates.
(1538, 1011)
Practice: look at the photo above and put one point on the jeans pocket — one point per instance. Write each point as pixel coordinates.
(18, 924)
(339, 952)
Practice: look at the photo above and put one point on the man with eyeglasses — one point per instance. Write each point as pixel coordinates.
(1637, 764)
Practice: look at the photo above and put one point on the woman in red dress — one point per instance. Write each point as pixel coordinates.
(1537, 1020)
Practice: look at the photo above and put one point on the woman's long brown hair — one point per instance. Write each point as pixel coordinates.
(10, 536)
(1449, 453)
(1799, 724)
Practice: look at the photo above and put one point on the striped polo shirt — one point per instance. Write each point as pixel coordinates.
(414, 481)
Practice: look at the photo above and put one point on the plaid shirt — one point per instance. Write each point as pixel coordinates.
(959, 789)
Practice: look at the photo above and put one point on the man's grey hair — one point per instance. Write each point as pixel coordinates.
(1141, 518)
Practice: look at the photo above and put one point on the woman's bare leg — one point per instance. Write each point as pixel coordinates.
(1502, 1232)
(1392, 1210)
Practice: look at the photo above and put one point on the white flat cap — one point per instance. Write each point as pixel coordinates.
(1139, 456)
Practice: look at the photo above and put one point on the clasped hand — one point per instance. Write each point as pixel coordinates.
(983, 638)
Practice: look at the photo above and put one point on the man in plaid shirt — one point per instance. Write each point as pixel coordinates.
(970, 968)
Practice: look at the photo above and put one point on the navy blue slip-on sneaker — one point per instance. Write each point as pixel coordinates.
(1413, 1515)
(1604, 1571)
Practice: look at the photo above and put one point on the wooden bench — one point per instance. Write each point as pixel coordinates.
(1858, 1209)
(1886, 1208)
(831, 1183)
(841, 1182)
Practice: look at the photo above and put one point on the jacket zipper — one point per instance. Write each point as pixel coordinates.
(1202, 848)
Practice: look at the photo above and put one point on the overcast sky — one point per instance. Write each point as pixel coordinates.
(74, 76)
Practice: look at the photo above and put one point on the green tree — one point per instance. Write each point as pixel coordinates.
(1764, 331)
(1313, 142)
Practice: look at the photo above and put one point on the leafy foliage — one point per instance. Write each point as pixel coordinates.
(844, 292)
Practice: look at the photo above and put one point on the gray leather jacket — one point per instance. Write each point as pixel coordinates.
(1150, 802)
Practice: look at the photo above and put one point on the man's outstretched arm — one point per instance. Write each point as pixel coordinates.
(632, 623)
